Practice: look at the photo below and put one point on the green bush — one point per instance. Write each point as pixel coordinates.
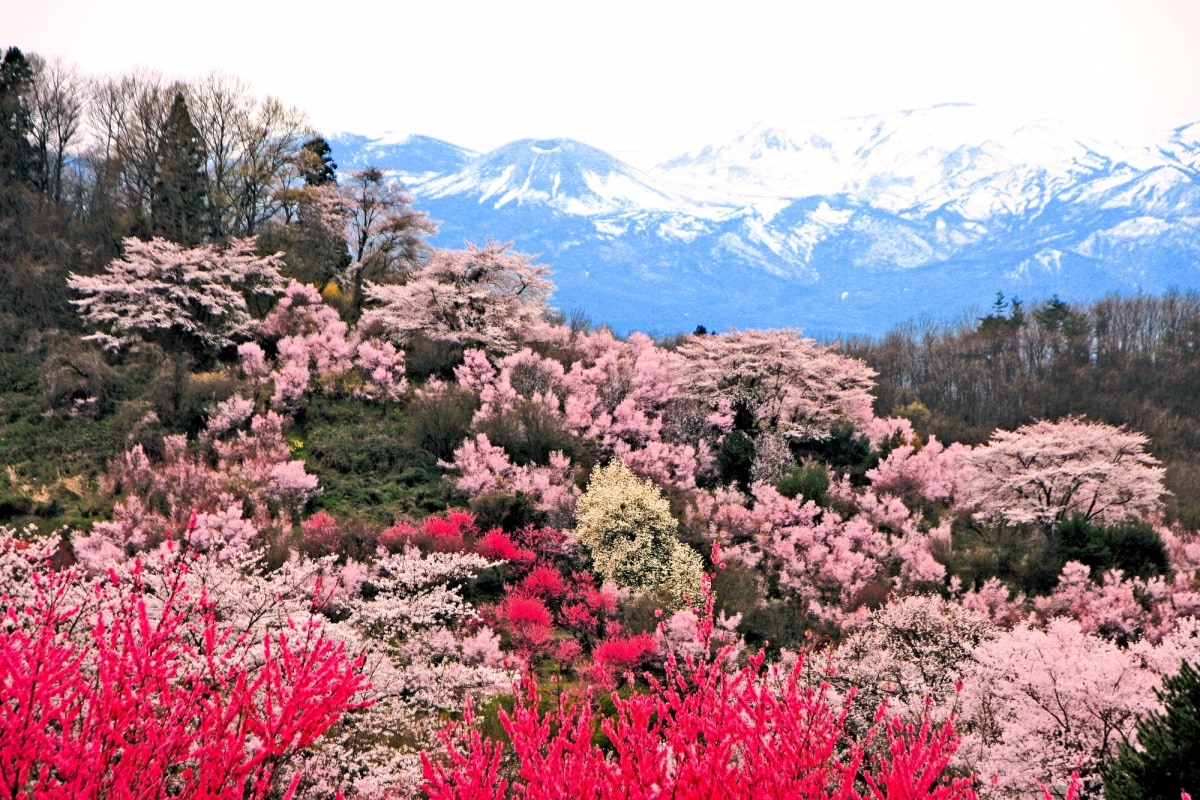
(1166, 762)
(810, 481)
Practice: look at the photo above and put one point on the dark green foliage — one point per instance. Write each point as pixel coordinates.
(843, 449)
(440, 420)
(735, 588)
(507, 511)
(1168, 762)
(369, 469)
(735, 459)
(810, 481)
(18, 158)
(312, 253)
(1133, 547)
(316, 164)
(982, 552)
(429, 358)
(774, 626)
(529, 432)
(179, 205)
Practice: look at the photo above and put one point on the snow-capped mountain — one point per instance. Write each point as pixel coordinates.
(841, 227)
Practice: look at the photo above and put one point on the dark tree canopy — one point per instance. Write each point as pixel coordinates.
(1168, 762)
(178, 207)
(316, 164)
(18, 159)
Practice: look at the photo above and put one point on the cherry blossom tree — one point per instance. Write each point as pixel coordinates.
(788, 383)
(912, 650)
(191, 301)
(1045, 472)
(485, 297)
(1046, 702)
(316, 349)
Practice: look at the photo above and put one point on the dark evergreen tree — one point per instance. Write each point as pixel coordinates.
(316, 164)
(18, 159)
(178, 207)
(1168, 762)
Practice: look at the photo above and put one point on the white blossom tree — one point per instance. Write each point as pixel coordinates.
(191, 301)
(486, 297)
(1047, 471)
(626, 524)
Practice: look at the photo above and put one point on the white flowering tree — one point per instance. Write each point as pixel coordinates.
(1047, 471)
(789, 383)
(189, 300)
(626, 524)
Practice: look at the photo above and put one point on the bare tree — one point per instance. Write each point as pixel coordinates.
(57, 105)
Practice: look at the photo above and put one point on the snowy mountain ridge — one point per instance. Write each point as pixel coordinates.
(841, 227)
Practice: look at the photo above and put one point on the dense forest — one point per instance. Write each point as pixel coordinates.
(295, 504)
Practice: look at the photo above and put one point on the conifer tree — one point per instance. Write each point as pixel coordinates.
(17, 155)
(1168, 762)
(177, 209)
(316, 164)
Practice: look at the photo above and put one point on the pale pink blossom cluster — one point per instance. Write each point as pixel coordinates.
(251, 486)
(316, 350)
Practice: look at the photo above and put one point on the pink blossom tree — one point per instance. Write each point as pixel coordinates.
(316, 349)
(485, 297)
(1044, 472)
(189, 300)
(789, 383)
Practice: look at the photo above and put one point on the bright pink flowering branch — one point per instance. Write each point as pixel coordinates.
(127, 695)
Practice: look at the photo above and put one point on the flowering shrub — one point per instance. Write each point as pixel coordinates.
(702, 732)
(121, 697)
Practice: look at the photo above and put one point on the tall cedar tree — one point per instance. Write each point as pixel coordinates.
(177, 209)
(17, 156)
(18, 160)
(1169, 761)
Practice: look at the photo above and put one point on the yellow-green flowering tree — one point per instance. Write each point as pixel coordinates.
(626, 524)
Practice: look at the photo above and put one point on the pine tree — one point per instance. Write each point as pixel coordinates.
(1168, 762)
(177, 210)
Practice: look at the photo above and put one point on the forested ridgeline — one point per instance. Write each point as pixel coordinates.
(1125, 360)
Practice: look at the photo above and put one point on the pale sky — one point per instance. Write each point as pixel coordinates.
(648, 75)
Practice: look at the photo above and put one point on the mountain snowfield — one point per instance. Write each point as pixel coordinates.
(844, 227)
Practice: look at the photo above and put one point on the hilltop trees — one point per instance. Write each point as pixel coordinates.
(178, 207)
(17, 157)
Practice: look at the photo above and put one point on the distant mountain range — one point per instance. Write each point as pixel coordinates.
(838, 228)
